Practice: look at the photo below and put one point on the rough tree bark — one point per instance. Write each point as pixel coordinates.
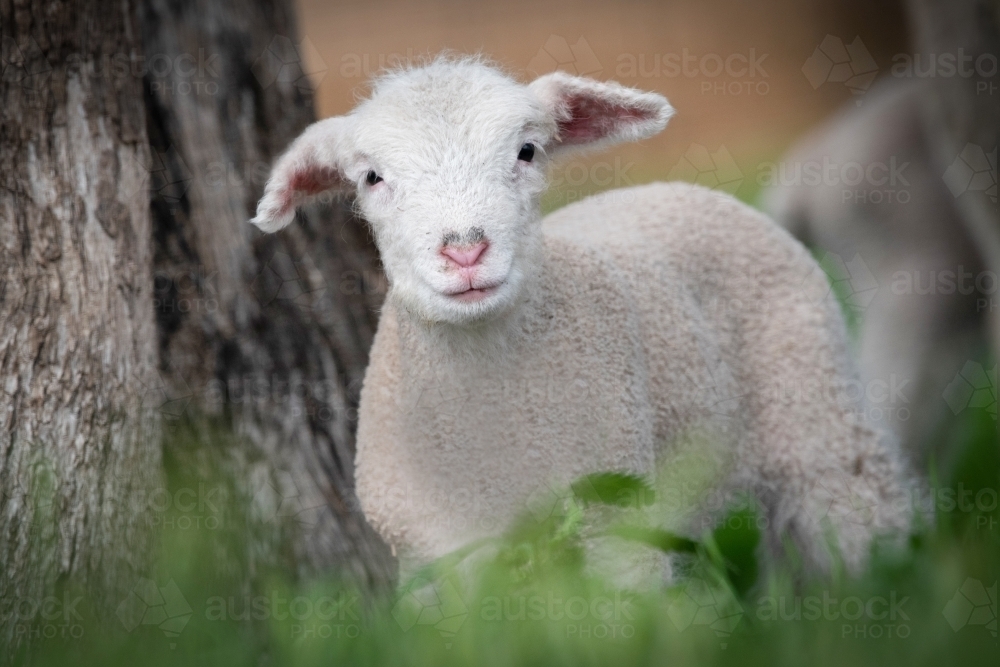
(77, 336)
(270, 334)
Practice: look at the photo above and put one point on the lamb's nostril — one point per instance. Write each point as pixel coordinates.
(464, 256)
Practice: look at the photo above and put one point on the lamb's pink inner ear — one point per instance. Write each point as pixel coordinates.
(312, 180)
(592, 118)
(310, 167)
(306, 181)
(596, 114)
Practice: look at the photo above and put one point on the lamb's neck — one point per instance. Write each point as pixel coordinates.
(491, 340)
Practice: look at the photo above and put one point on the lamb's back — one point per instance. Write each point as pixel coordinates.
(715, 245)
(733, 310)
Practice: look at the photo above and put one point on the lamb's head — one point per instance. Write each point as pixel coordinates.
(449, 161)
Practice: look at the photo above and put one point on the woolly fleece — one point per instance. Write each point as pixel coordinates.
(665, 319)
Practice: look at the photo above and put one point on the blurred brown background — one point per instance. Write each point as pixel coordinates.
(755, 115)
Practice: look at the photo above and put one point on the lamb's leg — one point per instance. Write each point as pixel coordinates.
(831, 481)
(835, 511)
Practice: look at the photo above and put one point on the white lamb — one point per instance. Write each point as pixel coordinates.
(516, 354)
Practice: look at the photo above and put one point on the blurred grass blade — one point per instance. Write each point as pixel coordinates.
(614, 488)
(663, 540)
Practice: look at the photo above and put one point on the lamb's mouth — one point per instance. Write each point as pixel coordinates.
(474, 294)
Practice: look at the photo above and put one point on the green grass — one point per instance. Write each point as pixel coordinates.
(532, 603)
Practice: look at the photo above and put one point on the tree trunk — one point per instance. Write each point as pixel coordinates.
(78, 340)
(268, 334)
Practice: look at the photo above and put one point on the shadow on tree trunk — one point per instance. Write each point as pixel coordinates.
(268, 335)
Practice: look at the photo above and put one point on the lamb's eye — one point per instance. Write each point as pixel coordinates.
(372, 178)
(527, 153)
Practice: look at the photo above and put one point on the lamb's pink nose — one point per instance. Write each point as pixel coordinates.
(465, 256)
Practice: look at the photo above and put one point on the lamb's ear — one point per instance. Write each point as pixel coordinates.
(591, 114)
(312, 164)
